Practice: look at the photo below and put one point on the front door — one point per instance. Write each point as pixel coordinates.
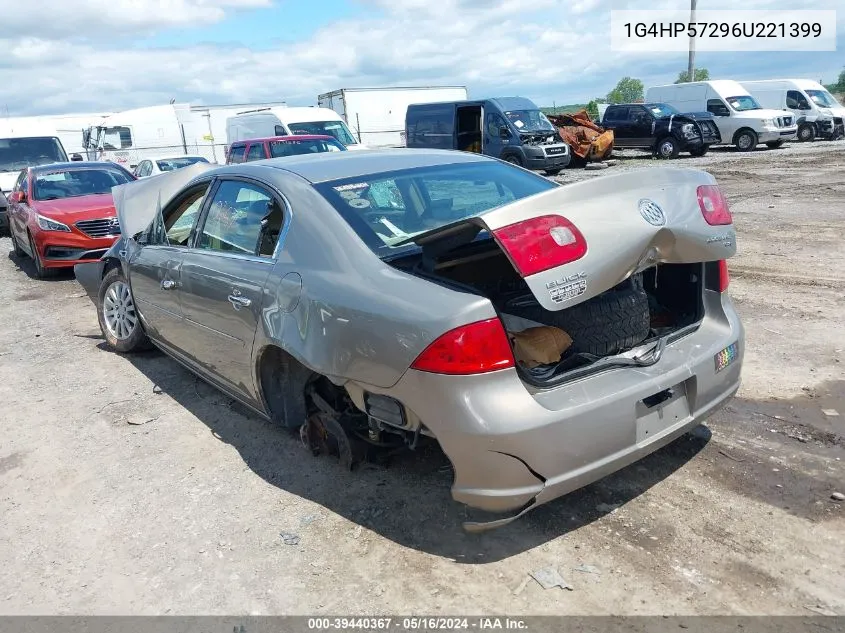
(616, 119)
(639, 127)
(223, 277)
(494, 142)
(155, 267)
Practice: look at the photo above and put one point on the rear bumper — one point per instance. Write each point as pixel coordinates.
(513, 450)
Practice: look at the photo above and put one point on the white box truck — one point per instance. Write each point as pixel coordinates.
(377, 115)
(817, 112)
(741, 120)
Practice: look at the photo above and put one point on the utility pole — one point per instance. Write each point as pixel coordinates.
(691, 65)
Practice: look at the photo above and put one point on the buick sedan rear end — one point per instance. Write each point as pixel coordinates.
(543, 335)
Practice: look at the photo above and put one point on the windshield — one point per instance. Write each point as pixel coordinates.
(822, 98)
(387, 208)
(72, 183)
(662, 109)
(337, 129)
(304, 146)
(743, 103)
(19, 153)
(530, 121)
(170, 164)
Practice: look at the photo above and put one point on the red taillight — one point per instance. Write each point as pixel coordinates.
(713, 205)
(724, 278)
(541, 243)
(470, 349)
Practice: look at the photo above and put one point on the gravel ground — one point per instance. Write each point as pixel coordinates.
(127, 486)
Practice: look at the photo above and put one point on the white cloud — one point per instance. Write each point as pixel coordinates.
(553, 50)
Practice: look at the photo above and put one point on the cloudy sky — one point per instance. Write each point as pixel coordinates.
(61, 56)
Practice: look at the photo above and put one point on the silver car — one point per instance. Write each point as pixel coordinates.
(544, 335)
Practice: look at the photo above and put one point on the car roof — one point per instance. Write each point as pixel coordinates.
(78, 164)
(173, 156)
(327, 166)
(287, 137)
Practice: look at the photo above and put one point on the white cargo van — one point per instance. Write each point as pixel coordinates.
(741, 120)
(266, 122)
(817, 112)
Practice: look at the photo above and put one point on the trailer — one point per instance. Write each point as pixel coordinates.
(174, 129)
(376, 116)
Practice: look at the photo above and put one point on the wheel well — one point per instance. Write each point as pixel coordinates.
(281, 382)
(740, 131)
(109, 264)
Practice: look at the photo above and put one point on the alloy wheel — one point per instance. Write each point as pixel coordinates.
(119, 311)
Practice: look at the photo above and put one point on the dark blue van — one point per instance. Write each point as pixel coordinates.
(510, 128)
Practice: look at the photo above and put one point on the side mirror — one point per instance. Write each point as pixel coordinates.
(805, 106)
(504, 132)
(76, 157)
(17, 197)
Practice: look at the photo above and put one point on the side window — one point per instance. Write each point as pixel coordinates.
(144, 169)
(242, 218)
(637, 115)
(178, 219)
(279, 130)
(236, 154)
(494, 123)
(256, 152)
(616, 114)
(20, 183)
(716, 107)
(117, 137)
(796, 100)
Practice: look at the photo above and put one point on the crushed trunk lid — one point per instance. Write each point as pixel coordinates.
(629, 221)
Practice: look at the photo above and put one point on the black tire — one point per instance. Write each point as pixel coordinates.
(746, 140)
(514, 159)
(806, 132)
(40, 271)
(16, 248)
(699, 151)
(667, 147)
(553, 172)
(774, 144)
(613, 322)
(136, 340)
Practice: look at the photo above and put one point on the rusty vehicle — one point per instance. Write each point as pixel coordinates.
(587, 141)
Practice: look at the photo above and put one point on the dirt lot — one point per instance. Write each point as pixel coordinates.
(129, 487)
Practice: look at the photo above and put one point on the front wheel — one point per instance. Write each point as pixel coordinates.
(746, 140)
(774, 144)
(699, 151)
(514, 159)
(119, 320)
(16, 248)
(553, 172)
(667, 148)
(41, 272)
(806, 132)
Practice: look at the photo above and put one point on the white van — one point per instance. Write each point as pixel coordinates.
(817, 112)
(266, 122)
(741, 120)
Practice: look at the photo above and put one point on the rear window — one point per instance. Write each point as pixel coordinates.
(387, 208)
(170, 164)
(303, 146)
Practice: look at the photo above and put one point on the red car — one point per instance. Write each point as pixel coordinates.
(63, 214)
(279, 146)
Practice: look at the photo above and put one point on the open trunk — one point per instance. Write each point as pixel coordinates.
(605, 266)
(642, 313)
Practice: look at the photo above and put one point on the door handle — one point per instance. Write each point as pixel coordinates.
(237, 301)
(168, 284)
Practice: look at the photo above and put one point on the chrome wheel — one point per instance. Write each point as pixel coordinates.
(667, 148)
(119, 311)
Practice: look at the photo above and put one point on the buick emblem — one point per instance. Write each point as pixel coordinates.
(651, 212)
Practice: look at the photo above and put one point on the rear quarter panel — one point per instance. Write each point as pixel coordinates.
(338, 309)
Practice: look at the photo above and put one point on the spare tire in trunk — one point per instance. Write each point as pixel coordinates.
(612, 322)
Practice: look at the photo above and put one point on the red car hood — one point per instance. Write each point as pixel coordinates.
(70, 210)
